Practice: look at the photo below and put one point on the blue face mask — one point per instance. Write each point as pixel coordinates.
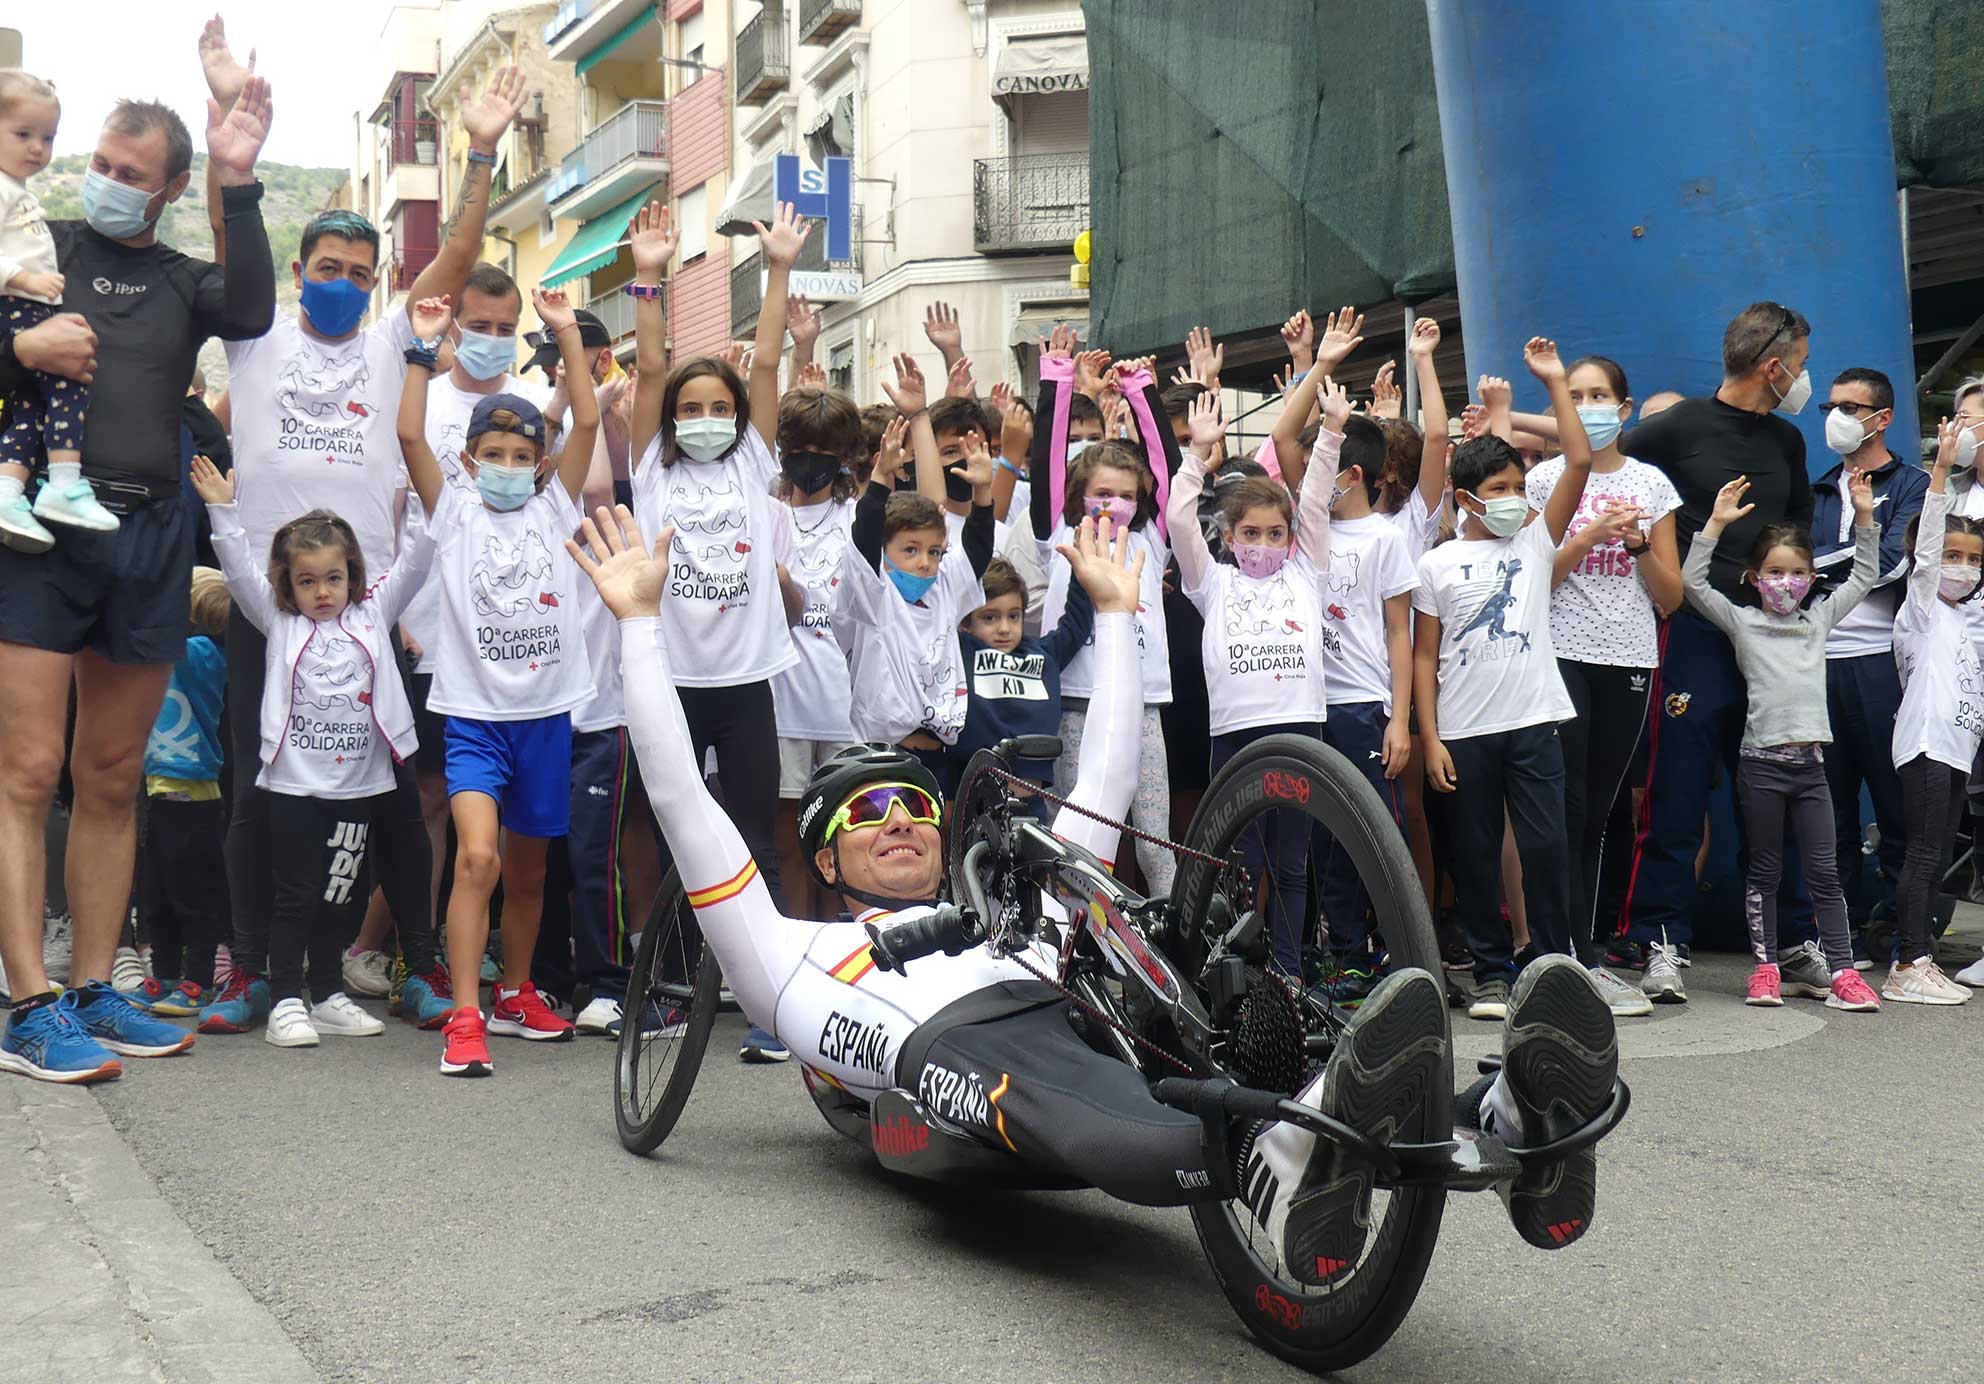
(113, 209)
(912, 588)
(1601, 424)
(335, 307)
(505, 487)
(485, 357)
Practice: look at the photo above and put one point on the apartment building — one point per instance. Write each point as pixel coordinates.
(395, 179)
(967, 125)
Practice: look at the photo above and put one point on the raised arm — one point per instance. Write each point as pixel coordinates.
(946, 333)
(780, 242)
(1717, 608)
(1540, 355)
(1834, 605)
(485, 119)
(1108, 566)
(246, 303)
(651, 237)
(247, 579)
(1047, 465)
(1925, 581)
(1187, 541)
(428, 319)
(1139, 386)
(978, 533)
(1432, 413)
(1343, 333)
(1312, 522)
(583, 430)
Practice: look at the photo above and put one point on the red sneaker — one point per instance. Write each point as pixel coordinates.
(1766, 987)
(465, 1051)
(526, 1015)
(1849, 991)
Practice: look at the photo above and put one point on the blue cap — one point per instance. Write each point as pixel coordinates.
(530, 420)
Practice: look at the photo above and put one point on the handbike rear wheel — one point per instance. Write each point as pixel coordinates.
(677, 973)
(1331, 1328)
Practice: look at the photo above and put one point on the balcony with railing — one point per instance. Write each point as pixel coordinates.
(764, 58)
(823, 21)
(747, 280)
(411, 141)
(1032, 202)
(615, 311)
(619, 156)
(403, 266)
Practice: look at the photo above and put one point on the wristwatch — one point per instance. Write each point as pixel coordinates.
(1631, 551)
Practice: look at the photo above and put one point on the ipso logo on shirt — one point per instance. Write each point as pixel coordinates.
(110, 289)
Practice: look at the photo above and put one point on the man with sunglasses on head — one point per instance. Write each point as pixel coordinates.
(991, 1050)
(1702, 444)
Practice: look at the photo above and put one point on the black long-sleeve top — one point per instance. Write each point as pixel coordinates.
(872, 508)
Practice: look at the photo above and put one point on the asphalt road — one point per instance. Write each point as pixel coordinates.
(1797, 1195)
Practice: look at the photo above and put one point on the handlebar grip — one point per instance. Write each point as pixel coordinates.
(1237, 1102)
(942, 930)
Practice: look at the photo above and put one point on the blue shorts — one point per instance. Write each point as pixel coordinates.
(122, 594)
(526, 766)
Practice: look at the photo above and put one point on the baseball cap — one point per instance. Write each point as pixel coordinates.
(592, 335)
(530, 419)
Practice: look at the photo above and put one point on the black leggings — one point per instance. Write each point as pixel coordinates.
(403, 864)
(319, 868)
(737, 722)
(1027, 1083)
(182, 889)
(1932, 804)
(1599, 744)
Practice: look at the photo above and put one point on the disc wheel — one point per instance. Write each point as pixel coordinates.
(1291, 778)
(676, 980)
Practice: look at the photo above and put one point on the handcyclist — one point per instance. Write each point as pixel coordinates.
(989, 1048)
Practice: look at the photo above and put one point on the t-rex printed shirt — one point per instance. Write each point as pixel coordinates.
(511, 646)
(314, 428)
(1263, 645)
(329, 745)
(722, 606)
(1370, 563)
(1498, 670)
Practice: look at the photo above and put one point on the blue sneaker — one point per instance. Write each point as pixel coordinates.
(760, 1046)
(121, 1026)
(239, 1007)
(427, 999)
(49, 1044)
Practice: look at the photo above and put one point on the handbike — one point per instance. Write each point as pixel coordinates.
(1181, 989)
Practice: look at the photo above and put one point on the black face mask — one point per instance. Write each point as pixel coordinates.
(957, 488)
(810, 471)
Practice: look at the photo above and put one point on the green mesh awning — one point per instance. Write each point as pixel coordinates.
(620, 36)
(595, 243)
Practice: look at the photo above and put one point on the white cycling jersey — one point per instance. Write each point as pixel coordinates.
(815, 985)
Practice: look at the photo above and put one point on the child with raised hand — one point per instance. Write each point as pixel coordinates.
(1014, 678)
(1488, 692)
(1781, 786)
(45, 414)
(335, 720)
(1131, 484)
(1939, 725)
(1264, 629)
(510, 668)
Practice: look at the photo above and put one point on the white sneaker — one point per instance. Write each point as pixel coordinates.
(1661, 980)
(341, 1017)
(75, 505)
(1973, 974)
(290, 1026)
(128, 972)
(1623, 999)
(598, 1016)
(20, 530)
(369, 972)
(57, 935)
(1922, 982)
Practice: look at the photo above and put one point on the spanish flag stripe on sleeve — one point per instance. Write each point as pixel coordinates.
(856, 964)
(729, 889)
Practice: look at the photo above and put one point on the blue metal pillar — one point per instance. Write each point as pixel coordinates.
(1625, 177)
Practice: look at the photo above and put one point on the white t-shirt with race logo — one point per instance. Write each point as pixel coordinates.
(1417, 525)
(813, 697)
(1498, 668)
(1602, 613)
(330, 747)
(1369, 564)
(1263, 645)
(510, 646)
(907, 668)
(449, 408)
(722, 608)
(1078, 678)
(314, 427)
(607, 707)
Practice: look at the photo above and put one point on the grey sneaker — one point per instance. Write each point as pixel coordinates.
(1803, 971)
(1625, 1000)
(1661, 981)
(1491, 999)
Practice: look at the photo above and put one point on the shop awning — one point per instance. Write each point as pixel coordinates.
(595, 243)
(1036, 322)
(749, 199)
(605, 50)
(1033, 66)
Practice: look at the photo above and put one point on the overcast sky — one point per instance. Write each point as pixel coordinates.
(98, 50)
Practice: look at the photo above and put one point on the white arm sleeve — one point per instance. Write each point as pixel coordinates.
(1106, 778)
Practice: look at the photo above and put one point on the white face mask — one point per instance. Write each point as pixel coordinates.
(1966, 450)
(1844, 434)
(1793, 399)
(1957, 581)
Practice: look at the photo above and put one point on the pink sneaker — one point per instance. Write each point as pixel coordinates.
(1849, 991)
(1764, 987)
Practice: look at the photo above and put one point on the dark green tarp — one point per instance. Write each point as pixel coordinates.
(1246, 155)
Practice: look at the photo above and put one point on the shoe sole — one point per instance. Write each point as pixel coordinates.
(510, 1028)
(1763, 1001)
(124, 1049)
(1560, 1057)
(1854, 1007)
(1674, 996)
(29, 543)
(763, 1056)
(312, 1041)
(224, 1026)
(1947, 1003)
(13, 1062)
(1376, 1082)
(76, 522)
(467, 1068)
(1631, 1009)
(1488, 1011)
(330, 1032)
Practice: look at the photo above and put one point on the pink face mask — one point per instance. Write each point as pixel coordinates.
(1258, 559)
(1120, 511)
(1782, 595)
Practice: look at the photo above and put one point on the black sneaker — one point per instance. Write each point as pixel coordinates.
(1560, 1055)
(1622, 953)
(1313, 1198)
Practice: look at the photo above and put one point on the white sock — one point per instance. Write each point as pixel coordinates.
(64, 473)
(11, 488)
(1498, 1112)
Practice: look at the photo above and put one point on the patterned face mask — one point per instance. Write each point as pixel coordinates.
(1784, 593)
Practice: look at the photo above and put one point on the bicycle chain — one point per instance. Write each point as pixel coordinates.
(1107, 1020)
(1036, 791)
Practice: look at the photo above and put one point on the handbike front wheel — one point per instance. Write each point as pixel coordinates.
(1288, 782)
(666, 1021)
